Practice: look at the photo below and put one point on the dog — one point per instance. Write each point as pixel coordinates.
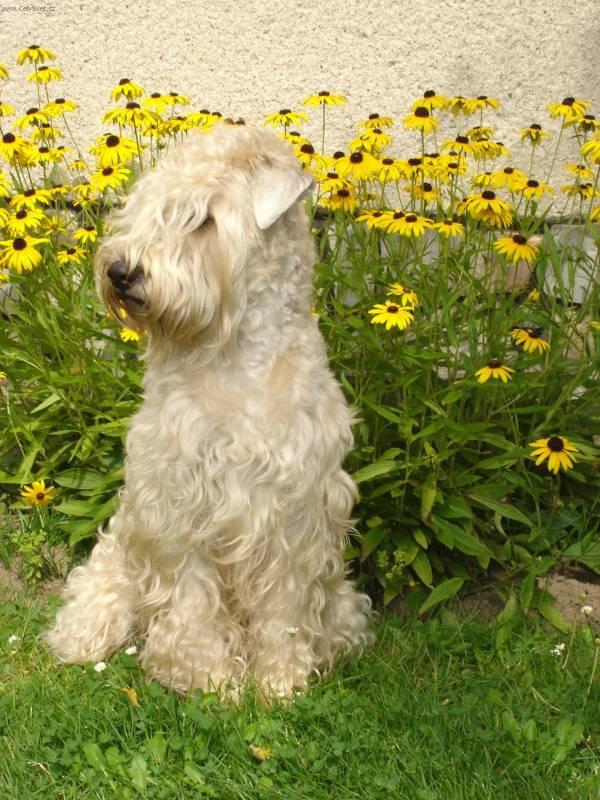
(226, 553)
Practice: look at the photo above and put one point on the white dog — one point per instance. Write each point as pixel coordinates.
(226, 554)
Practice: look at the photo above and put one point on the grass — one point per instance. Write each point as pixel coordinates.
(437, 710)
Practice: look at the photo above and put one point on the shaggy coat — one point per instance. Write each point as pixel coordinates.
(226, 553)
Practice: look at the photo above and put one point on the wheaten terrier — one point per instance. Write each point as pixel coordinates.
(226, 554)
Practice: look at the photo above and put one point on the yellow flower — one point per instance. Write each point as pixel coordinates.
(530, 339)
(324, 99)
(131, 114)
(342, 200)
(391, 315)
(3, 72)
(422, 120)
(109, 178)
(479, 103)
(534, 133)
(535, 190)
(591, 150)
(595, 215)
(32, 117)
(516, 248)
(309, 158)
(457, 105)
(129, 335)
(489, 208)
(557, 449)
(131, 695)
(174, 99)
(407, 296)
(495, 369)
(38, 494)
(20, 222)
(480, 133)
(260, 753)
(34, 54)
(461, 144)
(127, 89)
(570, 109)
(31, 198)
(112, 150)
(581, 171)
(584, 190)
(424, 191)
(285, 118)
(72, 255)
(509, 177)
(409, 225)
(55, 108)
(373, 139)
(534, 296)
(87, 235)
(449, 227)
(588, 124)
(431, 100)
(360, 165)
(20, 253)
(390, 170)
(375, 121)
(45, 75)
(374, 218)
(12, 147)
(6, 110)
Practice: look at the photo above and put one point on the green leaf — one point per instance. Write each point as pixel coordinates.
(49, 401)
(79, 478)
(370, 541)
(375, 470)
(456, 536)
(138, 771)
(551, 613)
(422, 567)
(587, 552)
(76, 508)
(94, 756)
(505, 509)
(428, 492)
(442, 592)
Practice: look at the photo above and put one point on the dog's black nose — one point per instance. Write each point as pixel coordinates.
(117, 272)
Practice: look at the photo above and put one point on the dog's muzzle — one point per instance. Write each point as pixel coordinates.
(124, 282)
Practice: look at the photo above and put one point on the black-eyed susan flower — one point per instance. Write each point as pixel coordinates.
(324, 99)
(421, 120)
(535, 190)
(457, 105)
(407, 296)
(413, 225)
(176, 99)
(461, 144)
(494, 369)
(34, 54)
(5, 185)
(31, 198)
(157, 102)
(374, 218)
(534, 296)
(371, 140)
(176, 124)
(20, 254)
(331, 182)
(109, 178)
(71, 255)
(488, 207)
(392, 221)
(33, 116)
(112, 150)
(591, 150)
(449, 227)
(595, 215)
(482, 180)
(588, 124)
(309, 158)
(127, 89)
(390, 170)
(285, 117)
(38, 494)
(516, 248)
(557, 449)
(6, 110)
(580, 171)
(586, 191)
(570, 109)
(474, 104)
(55, 108)
(131, 114)
(376, 121)
(45, 75)
(87, 235)
(430, 100)
(423, 191)
(129, 334)
(358, 164)
(19, 223)
(340, 200)
(509, 178)
(534, 133)
(4, 72)
(391, 315)
(530, 339)
(46, 133)
(480, 132)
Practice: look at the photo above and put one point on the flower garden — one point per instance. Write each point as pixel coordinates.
(456, 289)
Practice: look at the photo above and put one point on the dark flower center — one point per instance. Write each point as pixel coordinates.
(155, 95)
(387, 161)
(19, 243)
(33, 110)
(123, 81)
(411, 218)
(421, 111)
(356, 158)
(415, 162)
(494, 363)
(21, 214)
(427, 187)
(482, 97)
(377, 214)
(429, 93)
(453, 165)
(33, 47)
(488, 195)
(533, 184)
(568, 101)
(43, 150)
(323, 94)
(343, 193)
(60, 100)
(398, 215)
(518, 239)
(462, 139)
(535, 127)
(308, 149)
(41, 69)
(132, 105)
(112, 140)
(107, 171)
(556, 444)
(71, 251)
(376, 130)
(373, 116)
(338, 154)
(392, 309)
(40, 496)
(508, 170)
(285, 111)
(89, 228)
(29, 193)
(589, 117)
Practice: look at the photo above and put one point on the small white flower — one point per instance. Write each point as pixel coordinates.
(131, 650)
(292, 631)
(14, 639)
(100, 666)
(586, 610)
(558, 649)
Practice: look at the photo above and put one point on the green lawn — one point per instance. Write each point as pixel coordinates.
(436, 711)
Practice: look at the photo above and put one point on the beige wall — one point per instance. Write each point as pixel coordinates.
(251, 58)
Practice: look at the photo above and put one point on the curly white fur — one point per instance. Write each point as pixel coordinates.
(233, 519)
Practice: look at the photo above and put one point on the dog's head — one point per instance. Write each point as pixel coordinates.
(198, 232)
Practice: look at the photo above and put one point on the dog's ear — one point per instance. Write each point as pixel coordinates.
(275, 189)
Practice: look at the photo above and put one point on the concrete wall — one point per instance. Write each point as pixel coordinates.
(251, 58)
